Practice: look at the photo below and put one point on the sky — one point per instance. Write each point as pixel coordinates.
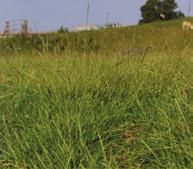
(49, 15)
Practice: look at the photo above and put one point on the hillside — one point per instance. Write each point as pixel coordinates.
(160, 36)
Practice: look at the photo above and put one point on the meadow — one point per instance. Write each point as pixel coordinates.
(124, 102)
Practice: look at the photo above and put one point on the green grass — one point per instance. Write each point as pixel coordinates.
(94, 111)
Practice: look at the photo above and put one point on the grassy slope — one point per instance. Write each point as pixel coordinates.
(97, 111)
(161, 36)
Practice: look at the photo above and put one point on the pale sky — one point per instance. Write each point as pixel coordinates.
(47, 15)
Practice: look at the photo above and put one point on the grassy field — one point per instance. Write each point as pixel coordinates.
(77, 110)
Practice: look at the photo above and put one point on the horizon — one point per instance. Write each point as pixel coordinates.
(42, 14)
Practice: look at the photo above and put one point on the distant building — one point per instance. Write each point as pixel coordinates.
(84, 28)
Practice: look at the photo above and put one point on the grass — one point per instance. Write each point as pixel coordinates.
(94, 111)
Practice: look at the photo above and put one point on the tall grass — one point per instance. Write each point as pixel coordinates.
(96, 111)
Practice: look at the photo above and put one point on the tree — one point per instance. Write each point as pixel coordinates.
(149, 11)
(168, 7)
(152, 10)
(63, 30)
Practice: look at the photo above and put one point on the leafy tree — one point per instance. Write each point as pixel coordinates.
(168, 7)
(152, 9)
(63, 30)
(149, 11)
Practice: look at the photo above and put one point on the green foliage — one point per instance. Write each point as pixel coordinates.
(63, 30)
(152, 9)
